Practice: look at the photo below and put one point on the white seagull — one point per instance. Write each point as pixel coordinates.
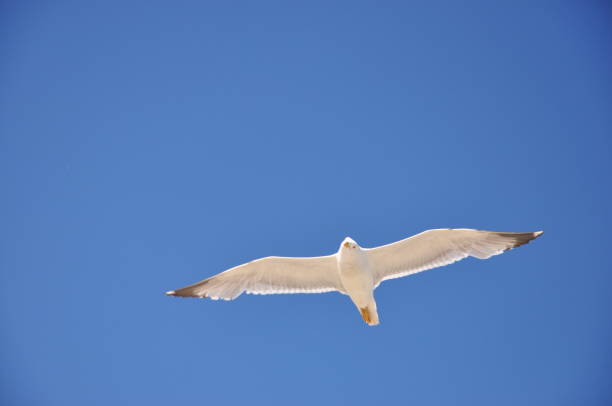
(353, 270)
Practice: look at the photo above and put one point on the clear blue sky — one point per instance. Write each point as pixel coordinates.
(148, 145)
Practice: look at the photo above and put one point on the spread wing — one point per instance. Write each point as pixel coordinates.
(267, 276)
(434, 248)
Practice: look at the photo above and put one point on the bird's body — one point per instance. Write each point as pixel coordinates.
(353, 270)
(357, 278)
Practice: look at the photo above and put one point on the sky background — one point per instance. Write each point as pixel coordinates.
(148, 145)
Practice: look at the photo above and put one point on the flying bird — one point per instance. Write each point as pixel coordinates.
(353, 270)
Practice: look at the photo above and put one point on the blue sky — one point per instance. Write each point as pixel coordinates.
(148, 145)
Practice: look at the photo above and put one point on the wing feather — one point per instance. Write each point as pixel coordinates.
(439, 247)
(269, 275)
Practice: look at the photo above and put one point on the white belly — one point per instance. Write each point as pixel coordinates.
(356, 276)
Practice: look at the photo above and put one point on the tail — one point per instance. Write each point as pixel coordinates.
(369, 315)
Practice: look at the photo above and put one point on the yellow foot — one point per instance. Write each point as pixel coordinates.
(365, 314)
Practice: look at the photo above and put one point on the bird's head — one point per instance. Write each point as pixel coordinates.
(348, 244)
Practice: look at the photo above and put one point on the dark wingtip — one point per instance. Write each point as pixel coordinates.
(521, 238)
(185, 292)
(188, 291)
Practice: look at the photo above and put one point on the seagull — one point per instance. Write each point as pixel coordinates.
(355, 271)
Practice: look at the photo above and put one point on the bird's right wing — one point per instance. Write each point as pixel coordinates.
(434, 248)
(267, 276)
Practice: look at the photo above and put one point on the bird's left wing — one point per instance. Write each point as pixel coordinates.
(434, 248)
(267, 276)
